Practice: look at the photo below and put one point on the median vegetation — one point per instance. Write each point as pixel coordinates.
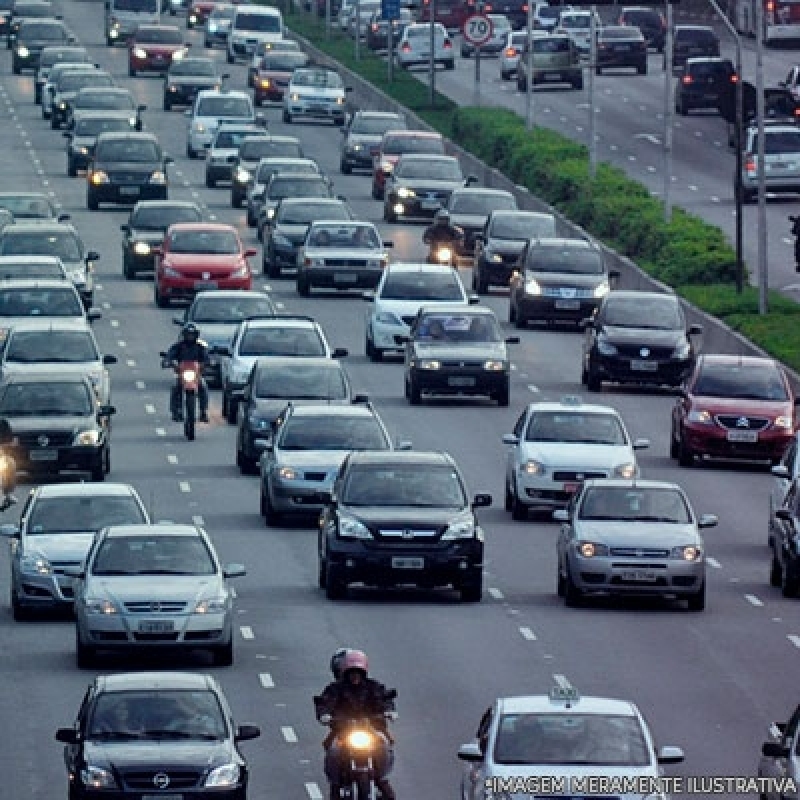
(687, 253)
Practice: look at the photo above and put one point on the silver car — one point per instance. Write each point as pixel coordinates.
(224, 149)
(785, 475)
(780, 758)
(218, 25)
(316, 93)
(414, 47)
(515, 46)
(782, 160)
(55, 532)
(157, 587)
(632, 537)
(50, 267)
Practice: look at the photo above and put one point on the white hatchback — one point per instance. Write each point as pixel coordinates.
(211, 109)
(414, 47)
(317, 93)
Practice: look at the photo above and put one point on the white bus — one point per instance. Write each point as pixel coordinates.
(781, 19)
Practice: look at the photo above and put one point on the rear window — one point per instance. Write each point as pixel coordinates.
(159, 35)
(779, 142)
(224, 107)
(650, 19)
(707, 69)
(559, 45)
(413, 144)
(695, 36)
(263, 23)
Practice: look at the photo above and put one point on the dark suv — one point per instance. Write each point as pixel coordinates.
(690, 41)
(704, 83)
(650, 22)
(397, 518)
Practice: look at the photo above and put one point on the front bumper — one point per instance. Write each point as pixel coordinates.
(58, 458)
(141, 263)
(555, 308)
(619, 369)
(187, 288)
(713, 441)
(217, 171)
(343, 278)
(127, 194)
(153, 63)
(449, 381)
(620, 575)
(178, 94)
(35, 591)
(301, 108)
(31, 61)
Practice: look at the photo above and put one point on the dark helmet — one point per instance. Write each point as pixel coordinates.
(442, 217)
(190, 333)
(355, 660)
(336, 662)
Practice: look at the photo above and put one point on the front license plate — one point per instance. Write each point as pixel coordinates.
(568, 305)
(408, 563)
(129, 191)
(644, 366)
(43, 455)
(162, 797)
(429, 205)
(638, 576)
(156, 626)
(743, 436)
(345, 277)
(458, 380)
(205, 284)
(552, 76)
(571, 488)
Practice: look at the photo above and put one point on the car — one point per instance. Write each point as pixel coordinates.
(515, 45)
(414, 47)
(268, 48)
(272, 384)
(576, 23)
(469, 208)
(272, 74)
(32, 37)
(621, 46)
(360, 15)
(57, 346)
(32, 267)
(552, 736)
(780, 108)
(450, 14)
(197, 256)
(198, 12)
(692, 41)
(122, 18)
(284, 336)
(107, 98)
(53, 77)
(267, 167)
(153, 48)
(55, 530)
(210, 109)
(781, 157)
(316, 93)
(377, 36)
(27, 9)
(286, 231)
(288, 185)
(300, 462)
(556, 446)
(251, 25)
(145, 229)
(58, 424)
(6, 15)
(784, 474)
(67, 86)
(457, 351)
(223, 149)
(403, 289)
(31, 207)
(631, 537)
(362, 137)
(218, 24)
(556, 59)
(545, 16)
(395, 143)
(515, 11)
(81, 140)
(168, 590)
(249, 155)
(218, 313)
(778, 762)
(343, 16)
(125, 168)
(649, 21)
(501, 28)
(341, 255)
(60, 239)
(22, 299)
(638, 338)
(733, 407)
(181, 727)
(499, 245)
(558, 280)
(785, 561)
(704, 83)
(397, 518)
(49, 57)
(186, 77)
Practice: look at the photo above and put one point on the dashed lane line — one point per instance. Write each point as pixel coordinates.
(140, 385)
(247, 632)
(288, 734)
(313, 791)
(753, 600)
(184, 487)
(562, 681)
(115, 323)
(265, 679)
(527, 634)
(533, 388)
(150, 409)
(495, 593)
(172, 458)
(712, 562)
(130, 362)
(794, 639)
(161, 432)
(199, 521)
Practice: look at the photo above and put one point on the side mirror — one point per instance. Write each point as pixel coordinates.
(92, 255)
(641, 444)
(107, 360)
(368, 297)
(561, 515)
(512, 339)
(9, 530)
(63, 218)
(774, 750)
(339, 352)
(474, 299)
(106, 411)
(707, 521)
(67, 736)
(780, 471)
(250, 252)
(784, 514)
(470, 752)
(482, 500)
(694, 330)
(388, 244)
(670, 755)
(94, 314)
(510, 438)
(233, 571)
(614, 276)
(404, 445)
(360, 398)
(246, 732)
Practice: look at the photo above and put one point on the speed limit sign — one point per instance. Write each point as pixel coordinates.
(478, 29)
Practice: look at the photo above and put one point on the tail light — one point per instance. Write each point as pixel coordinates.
(510, 52)
(525, 8)
(750, 165)
(406, 48)
(487, 7)
(374, 27)
(770, 7)
(734, 79)
(686, 80)
(447, 44)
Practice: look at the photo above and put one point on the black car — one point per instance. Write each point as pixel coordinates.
(83, 136)
(704, 83)
(558, 280)
(31, 206)
(515, 11)
(251, 151)
(469, 209)
(144, 734)
(362, 137)
(692, 41)
(397, 518)
(378, 30)
(649, 21)
(108, 98)
(125, 168)
(785, 568)
(32, 37)
(49, 57)
(620, 46)
(780, 107)
(267, 167)
(67, 88)
(272, 384)
(453, 350)
(145, 230)
(186, 77)
(421, 184)
(57, 424)
(27, 9)
(638, 338)
(6, 11)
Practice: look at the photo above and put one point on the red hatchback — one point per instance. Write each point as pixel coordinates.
(393, 145)
(199, 12)
(198, 256)
(152, 48)
(736, 407)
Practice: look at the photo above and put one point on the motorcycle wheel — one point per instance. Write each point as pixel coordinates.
(364, 788)
(190, 416)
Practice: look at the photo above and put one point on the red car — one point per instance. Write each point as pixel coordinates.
(152, 48)
(737, 407)
(393, 145)
(199, 12)
(198, 256)
(274, 73)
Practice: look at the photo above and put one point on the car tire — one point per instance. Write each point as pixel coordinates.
(509, 497)
(211, 183)
(503, 396)
(450, 65)
(377, 194)
(208, 44)
(335, 587)
(519, 511)
(271, 517)
(222, 656)
(287, 117)
(54, 123)
(251, 220)
(322, 574)
(72, 170)
(685, 455)
(37, 95)
(98, 471)
(472, 591)
(561, 584)
(520, 322)
(775, 572)
(229, 58)
(641, 70)
(246, 464)
(373, 353)
(166, 104)
(15, 68)
(578, 83)
(479, 283)
(674, 449)
(160, 300)
(271, 269)
(303, 286)
(573, 596)
(191, 153)
(18, 611)
(522, 84)
(593, 381)
(681, 108)
(389, 215)
(85, 656)
(345, 168)
(697, 600)
(414, 394)
(790, 585)
(505, 76)
(598, 70)
(131, 72)
(91, 202)
(231, 411)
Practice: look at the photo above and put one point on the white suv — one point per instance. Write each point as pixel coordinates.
(211, 109)
(251, 26)
(317, 93)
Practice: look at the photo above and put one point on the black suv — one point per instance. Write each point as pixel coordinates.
(33, 36)
(396, 518)
(251, 151)
(650, 22)
(704, 83)
(691, 41)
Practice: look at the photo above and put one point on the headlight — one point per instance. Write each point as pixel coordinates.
(783, 422)
(213, 605)
(62, 106)
(23, 51)
(141, 248)
(429, 363)
(605, 348)
(35, 565)
(602, 290)
(351, 528)
(259, 423)
(199, 127)
(340, 101)
(494, 366)
(444, 255)
(84, 151)
(188, 376)
(98, 177)
(100, 606)
(97, 778)
(86, 439)
(288, 474)
(701, 417)
(682, 351)
(158, 177)
(354, 148)
(688, 553)
(404, 192)
(139, 53)
(226, 775)
(212, 27)
(133, 121)
(179, 54)
(388, 318)
(270, 213)
(592, 549)
(625, 471)
(114, 32)
(532, 467)
(359, 740)
(242, 175)
(532, 287)
(295, 97)
(461, 528)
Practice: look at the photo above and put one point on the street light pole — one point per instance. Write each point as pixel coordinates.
(529, 68)
(668, 46)
(592, 69)
(432, 75)
(358, 30)
(763, 278)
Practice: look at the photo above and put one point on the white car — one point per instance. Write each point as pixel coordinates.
(414, 47)
(577, 25)
(317, 93)
(210, 109)
(402, 291)
(251, 26)
(556, 446)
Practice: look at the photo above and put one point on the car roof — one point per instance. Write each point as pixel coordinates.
(277, 160)
(221, 294)
(563, 241)
(281, 322)
(203, 226)
(160, 529)
(203, 93)
(580, 408)
(303, 176)
(413, 266)
(106, 90)
(359, 223)
(56, 376)
(426, 157)
(356, 410)
(483, 190)
(628, 294)
(412, 132)
(27, 226)
(130, 681)
(400, 457)
(625, 483)
(457, 308)
(694, 28)
(167, 204)
(732, 360)
(538, 703)
(315, 201)
(378, 114)
(37, 283)
(155, 27)
(83, 489)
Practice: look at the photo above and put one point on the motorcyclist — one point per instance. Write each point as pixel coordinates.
(354, 695)
(188, 348)
(8, 467)
(442, 233)
(795, 220)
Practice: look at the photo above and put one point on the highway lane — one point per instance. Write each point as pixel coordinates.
(699, 678)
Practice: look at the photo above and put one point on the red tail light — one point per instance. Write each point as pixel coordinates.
(770, 5)
(750, 165)
(797, 112)
(448, 44)
(686, 80)
(487, 7)
(525, 8)
(734, 79)
(374, 26)
(510, 52)
(406, 48)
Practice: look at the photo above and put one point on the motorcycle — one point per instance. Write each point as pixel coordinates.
(8, 481)
(189, 373)
(442, 254)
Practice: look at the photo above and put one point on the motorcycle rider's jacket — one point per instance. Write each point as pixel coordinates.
(188, 351)
(345, 701)
(436, 235)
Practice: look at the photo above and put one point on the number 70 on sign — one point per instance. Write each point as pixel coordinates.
(478, 29)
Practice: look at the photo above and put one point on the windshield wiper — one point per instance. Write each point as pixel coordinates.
(657, 519)
(122, 735)
(166, 735)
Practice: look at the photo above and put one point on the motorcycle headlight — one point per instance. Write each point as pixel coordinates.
(359, 740)
(783, 422)
(98, 605)
(688, 553)
(23, 51)
(97, 778)
(259, 423)
(189, 376)
(270, 213)
(158, 177)
(461, 528)
(405, 192)
(625, 471)
(444, 255)
(98, 177)
(265, 83)
(35, 565)
(532, 287)
(86, 439)
(700, 417)
(682, 351)
(602, 290)
(288, 474)
(592, 549)
(199, 127)
(212, 605)
(141, 248)
(351, 528)
(242, 175)
(139, 53)
(605, 348)
(532, 467)
(84, 151)
(388, 318)
(226, 775)
(494, 366)
(429, 363)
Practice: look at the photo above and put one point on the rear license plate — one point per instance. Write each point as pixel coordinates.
(623, 48)
(552, 76)
(129, 191)
(568, 305)
(777, 165)
(429, 205)
(156, 626)
(638, 576)
(408, 563)
(571, 488)
(162, 797)
(743, 436)
(43, 455)
(458, 380)
(644, 366)
(345, 277)
(205, 284)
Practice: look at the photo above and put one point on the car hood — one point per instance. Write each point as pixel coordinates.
(741, 405)
(383, 516)
(159, 755)
(76, 424)
(637, 534)
(339, 253)
(147, 235)
(202, 261)
(59, 547)
(650, 336)
(324, 460)
(462, 350)
(217, 333)
(128, 166)
(586, 456)
(573, 279)
(165, 588)
(39, 44)
(315, 91)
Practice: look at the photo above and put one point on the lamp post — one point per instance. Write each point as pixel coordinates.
(667, 190)
(358, 30)
(529, 68)
(432, 74)
(763, 278)
(592, 69)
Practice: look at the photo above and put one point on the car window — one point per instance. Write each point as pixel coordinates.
(37, 270)
(422, 286)
(76, 514)
(72, 81)
(289, 341)
(572, 426)
(263, 23)
(30, 347)
(266, 171)
(320, 79)
(164, 554)
(642, 504)
(40, 303)
(206, 242)
(305, 213)
(46, 399)
(93, 126)
(474, 203)
(453, 328)
(230, 139)
(376, 125)
(159, 218)
(747, 382)
(27, 206)
(332, 433)
(193, 66)
(776, 142)
(416, 485)
(522, 226)
(643, 312)
(413, 144)
(42, 30)
(159, 36)
(65, 246)
(551, 45)
(359, 237)
(575, 261)
(290, 188)
(128, 150)
(301, 383)
(231, 310)
(433, 170)
(223, 106)
(110, 101)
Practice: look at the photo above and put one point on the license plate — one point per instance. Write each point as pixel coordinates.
(205, 284)
(318, 109)
(156, 626)
(743, 436)
(129, 191)
(638, 576)
(429, 205)
(552, 76)
(571, 488)
(457, 380)
(43, 455)
(777, 165)
(572, 305)
(644, 366)
(408, 563)
(162, 797)
(623, 48)
(345, 277)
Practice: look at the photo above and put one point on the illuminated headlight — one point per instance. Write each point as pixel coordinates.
(404, 192)
(398, 208)
(212, 27)
(605, 348)
(139, 53)
(429, 363)
(295, 97)
(351, 528)
(592, 549)
(259, 423)
(270, 213)
(62, 106)
(133, 121)
(354, 148)
(625, 471)
(242, 175)
(265, 83)
(199, 127)
(98, 177)
(192, 18)
(288, 474)
(100, 606)
(23, 51)
(494, 366)
(602, 290)
(226, 775)
(97, 778)
(35, 565)
(462, 528)
(86, 438)
(158, 177)
(179, 54)
(114, 32)
(84, 151)
(532, 467)
(213, 605)
(359, 740)
(388, 318)
(783, 422)
(701, 417)
(495, 258)
(188, 376)
(682, 351)
(688, 553)
(532, 287)
(141, 248)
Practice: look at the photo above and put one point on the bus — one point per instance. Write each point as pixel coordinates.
(781, 19)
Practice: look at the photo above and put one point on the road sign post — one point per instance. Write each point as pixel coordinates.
(477, 32)
(390, 11)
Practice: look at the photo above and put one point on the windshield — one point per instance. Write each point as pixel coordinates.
(67, 347)
(575, 21)
(224, 107)
(579, 739)
(52, 55)
(318, 78)
(159, 218)
(80, 513)
(135, 5)
(163, 554)
(457, 328)
(263, 23)
(203, 67)
(51, 398)
(266, 171)
(66, 246)
(642, 504)
(289, 341)
(743, 381)
(291, 213)
(332, 433)
(27, 206)
(376, 126)
(575, 427)
(230, 139)
(88, 126)
(481, 204)
(439, 287)
(523, 226)
(231, 310)
(644, 312)
(223, 13)
(776, 142)
(39, 269)
(159, 36)
(24, 11)
(621, 33)
(431, 170)
(575, 261)
(355, 237)
(42, 30)
(110, 101)
(255, 149)
(290, 188)
(207, 242)
(40, 303)
(130, 150)
(397, 145)
(284, 61)
(301, 382)
(415, 485)
(72, 81)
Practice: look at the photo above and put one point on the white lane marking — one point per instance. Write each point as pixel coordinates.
(288, 734)
(247, 632)
(172, 458)
(106, 306)
(786, 240)
(651, 169)
(268, 287)
(150, 409)
(212, 217)
(99, 287)
(794, 639)
(562, 681)
(527, 633)
(122, 343)
(265, 679)
(161, 432)
(140, 385)
(714, 199)
(184, 487)
(233, 592)
(495, 593)
(712, 562)
(631, 158)
(198, 520)
(313, 791)
(130, 362)
(692, 187)
(533, 388)
(115, 323)
(280, 306)
(753, 600)
(513, 367)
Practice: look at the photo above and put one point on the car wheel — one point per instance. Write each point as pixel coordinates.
(72, 170)
(98, 471)
(190, 151)
(509, 497)
(573, 596)
(303, 286)
(374, 354)
(55, 124)
(512, 312)
(271, 269)
(322, 574)
(685, 455)
(161, 301)
(503, 396)
(91, 202)
(598, 71)
(520, 321)
(131, 72)
(18, 611)
(229, 58)
(593, 381)
(208, 44)
(682, 108)
(697, 601)
(251, 220)
(578, 83)
(167, 104)
(335, 587)
(472, 591)
(789, 582)
(271, 517)
(287, 117)
(450, 65)
(505, 76)
(519, 511)
(85, 656)
(481, 284)
(775, 572)
(223, 656)
(377, 194)
(231, 411)
(641, 70)
(414, 393)
(561, 584)
(246, 464)
(15, 68)
(211, 183)
(345, 168)
(37, 95)
(674, 450)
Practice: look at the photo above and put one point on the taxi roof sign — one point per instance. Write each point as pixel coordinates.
(564, 694)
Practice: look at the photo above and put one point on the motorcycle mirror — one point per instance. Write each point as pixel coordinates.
(162, 354)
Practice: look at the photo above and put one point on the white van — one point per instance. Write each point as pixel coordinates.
(123, 17)
(251, 26)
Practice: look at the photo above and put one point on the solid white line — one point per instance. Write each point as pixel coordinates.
(794, 639)
(495, 593)
(753, 600)
(172, 458)
(527, 633)
(562, 681)
(198, 520)
(161, 432)
(288, 734)
(140, 385)
(150, 409)
(712, 562)
(313, 791)
(184, 487)
(247, 632)
(265, 679)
